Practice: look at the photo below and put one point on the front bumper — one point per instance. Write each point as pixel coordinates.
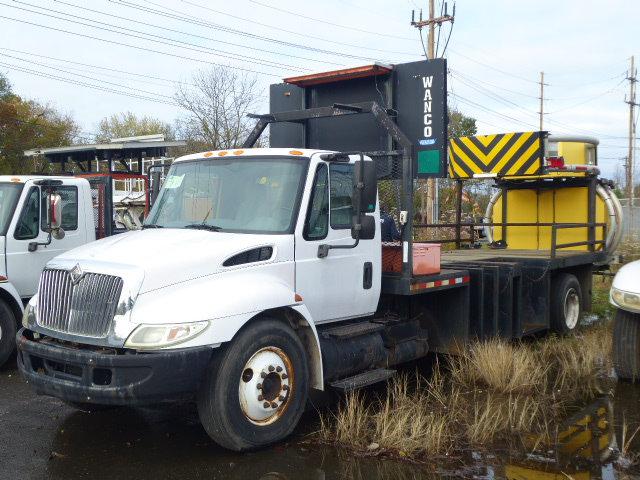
(110, 376)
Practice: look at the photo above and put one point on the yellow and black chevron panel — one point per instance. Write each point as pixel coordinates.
(503, 154)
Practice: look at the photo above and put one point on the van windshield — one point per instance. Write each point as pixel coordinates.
(9, 195)
(247, 195)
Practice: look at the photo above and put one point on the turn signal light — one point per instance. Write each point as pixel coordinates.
(222, 153)
(208, 154)
(238, 152)
(295, 152)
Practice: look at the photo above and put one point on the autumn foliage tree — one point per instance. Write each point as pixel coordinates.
(26, 124)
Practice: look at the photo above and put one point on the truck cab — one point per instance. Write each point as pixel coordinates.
(26, 240)
(245, 254)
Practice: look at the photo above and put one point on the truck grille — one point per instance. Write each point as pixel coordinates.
(84, 308)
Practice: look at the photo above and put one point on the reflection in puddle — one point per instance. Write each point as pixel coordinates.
(170, 443)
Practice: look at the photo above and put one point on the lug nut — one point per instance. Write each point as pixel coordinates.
(263, 374)
(281, 398)
(278, 369)
(259, 386)
(265, 404)
(271, 368)
(260, 398)
(274, 405)
(285, 387)
(284, 376)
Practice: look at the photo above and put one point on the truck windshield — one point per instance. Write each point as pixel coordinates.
(246, 194)
(9, 194)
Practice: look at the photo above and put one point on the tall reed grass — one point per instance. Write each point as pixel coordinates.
(493, 391)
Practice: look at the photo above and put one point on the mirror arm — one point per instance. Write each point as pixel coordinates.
(323, 250)
(33, 246)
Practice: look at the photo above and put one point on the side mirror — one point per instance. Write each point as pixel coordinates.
(54, 215)
(365, 186)
(363, 227)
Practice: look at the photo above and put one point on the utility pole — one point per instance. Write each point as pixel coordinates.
(428, 209)
(632, 77)
(542, 84)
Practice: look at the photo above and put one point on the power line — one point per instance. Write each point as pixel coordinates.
(476, 79)
(83, 84)
(280, 29)
(146, 49)
(64, 60)
(195, 21)
(185, 45)
(191, 34)
(494, 68)
(89, 78)
(326, 22)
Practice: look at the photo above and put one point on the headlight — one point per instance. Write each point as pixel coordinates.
(625, 300)
(29, 315)
(158, 336)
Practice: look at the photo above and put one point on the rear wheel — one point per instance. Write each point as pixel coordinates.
(7, 332)
(566, 303)
(626, 345)
(255, 393)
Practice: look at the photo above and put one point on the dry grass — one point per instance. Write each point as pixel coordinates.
(495, 391)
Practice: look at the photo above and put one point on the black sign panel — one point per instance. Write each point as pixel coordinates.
(417, 91)
(420, 97)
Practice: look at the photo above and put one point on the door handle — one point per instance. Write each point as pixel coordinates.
(367, 276)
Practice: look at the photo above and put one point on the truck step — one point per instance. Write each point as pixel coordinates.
(362, 380)
(343, 332)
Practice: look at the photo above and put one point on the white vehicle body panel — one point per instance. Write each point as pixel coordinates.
(628, 278)
(23, 267)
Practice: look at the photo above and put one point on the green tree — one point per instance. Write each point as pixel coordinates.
(26, 124)
(460, 125)
(128, 124)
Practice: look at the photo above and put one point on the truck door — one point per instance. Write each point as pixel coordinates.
(24, 267)
(346, 283)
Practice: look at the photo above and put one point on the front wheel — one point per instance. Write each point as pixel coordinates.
(255, 393)
(7, 332)
(626, 345)
(566, 303)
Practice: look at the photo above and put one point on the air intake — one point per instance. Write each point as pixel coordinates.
(259, 254)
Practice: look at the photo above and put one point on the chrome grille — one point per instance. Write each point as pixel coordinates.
(84, 308)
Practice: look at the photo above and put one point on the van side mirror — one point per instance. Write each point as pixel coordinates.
(54, 215)
(365, 185)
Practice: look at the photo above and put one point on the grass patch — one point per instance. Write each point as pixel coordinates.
(495, 392)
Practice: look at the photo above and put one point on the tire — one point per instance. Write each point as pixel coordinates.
(7, 332)
(626, 345)
(256, 389)
(566, 303)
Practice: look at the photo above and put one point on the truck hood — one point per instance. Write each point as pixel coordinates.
(173, 255)
(628, 278)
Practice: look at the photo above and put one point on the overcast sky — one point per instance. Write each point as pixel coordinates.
(496, 52)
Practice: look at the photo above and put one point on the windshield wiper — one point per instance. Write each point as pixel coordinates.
(151, 225)
(204, 226)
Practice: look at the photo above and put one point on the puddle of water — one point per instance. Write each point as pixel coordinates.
(170, 443)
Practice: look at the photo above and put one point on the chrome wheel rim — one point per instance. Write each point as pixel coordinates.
(265, 385)
(571, 308)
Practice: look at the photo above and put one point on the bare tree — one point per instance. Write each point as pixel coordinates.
(217, 102)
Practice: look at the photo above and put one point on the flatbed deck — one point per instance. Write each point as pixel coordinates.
(563, 258)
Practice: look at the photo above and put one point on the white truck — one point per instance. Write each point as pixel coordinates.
(27, 243)
(625, 296)
(260, 275)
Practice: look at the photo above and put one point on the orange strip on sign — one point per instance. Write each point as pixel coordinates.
(337, 75)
